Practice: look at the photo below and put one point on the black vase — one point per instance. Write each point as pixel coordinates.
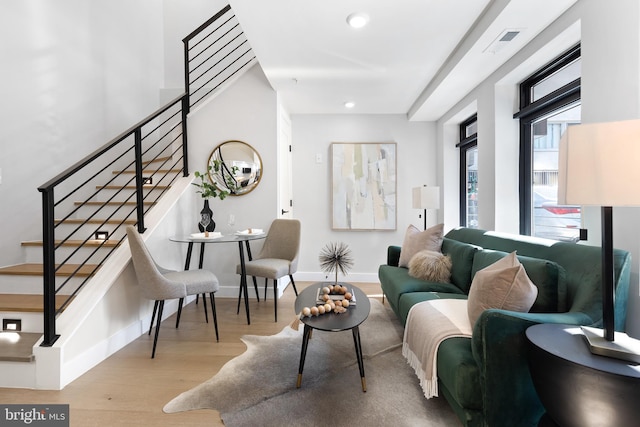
(205, 213)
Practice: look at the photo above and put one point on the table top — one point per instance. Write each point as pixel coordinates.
(225, 238)
(568, 342)
(354, 316)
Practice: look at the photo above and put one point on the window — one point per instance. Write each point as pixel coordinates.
(549, 102)
(469, 172)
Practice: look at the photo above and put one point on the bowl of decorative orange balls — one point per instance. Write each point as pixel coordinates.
(334, 298)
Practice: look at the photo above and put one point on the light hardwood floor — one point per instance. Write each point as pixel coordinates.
(130, 388)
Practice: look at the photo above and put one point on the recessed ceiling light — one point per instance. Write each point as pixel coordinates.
(349, 104)
(357, 20)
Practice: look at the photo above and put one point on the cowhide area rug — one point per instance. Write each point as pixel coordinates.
(258, 388)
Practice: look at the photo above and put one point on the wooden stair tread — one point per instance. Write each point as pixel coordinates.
(158, 160)
(34, 269)
(30, 303)
(21, 351)
(91, 243)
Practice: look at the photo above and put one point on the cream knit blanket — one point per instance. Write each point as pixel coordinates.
(428, 324)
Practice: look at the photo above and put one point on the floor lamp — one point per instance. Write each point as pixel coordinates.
(598, 166)
(426, 198)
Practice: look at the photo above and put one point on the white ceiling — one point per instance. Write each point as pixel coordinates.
(415, 57)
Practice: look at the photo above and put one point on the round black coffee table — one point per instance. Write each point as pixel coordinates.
(333, 322)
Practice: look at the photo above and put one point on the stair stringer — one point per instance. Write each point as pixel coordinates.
(109, 313)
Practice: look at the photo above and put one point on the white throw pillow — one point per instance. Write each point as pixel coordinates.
(504, 285)
(416, 241)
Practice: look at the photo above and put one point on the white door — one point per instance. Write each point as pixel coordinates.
(285, 184)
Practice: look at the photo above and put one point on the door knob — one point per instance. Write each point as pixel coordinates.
(284, 212)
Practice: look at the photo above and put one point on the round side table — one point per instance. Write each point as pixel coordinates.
(576, 387)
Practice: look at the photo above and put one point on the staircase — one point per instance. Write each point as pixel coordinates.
(85, 211)
(21, 300)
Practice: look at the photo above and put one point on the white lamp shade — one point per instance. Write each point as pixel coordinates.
(426, 198)
(598, 164)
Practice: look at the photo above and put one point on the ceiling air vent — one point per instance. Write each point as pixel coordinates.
(502, 40)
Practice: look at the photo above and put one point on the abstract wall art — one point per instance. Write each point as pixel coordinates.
(363, 186)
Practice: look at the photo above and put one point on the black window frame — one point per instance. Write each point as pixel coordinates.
(531, 111)
(466, 143)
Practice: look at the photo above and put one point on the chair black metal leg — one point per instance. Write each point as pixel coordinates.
(204, 304)
(266, 282)
(275, 298)
(155, 338)
(179, 312)
(215, 317)
(294, 284)
(153, 316)
(255, 285)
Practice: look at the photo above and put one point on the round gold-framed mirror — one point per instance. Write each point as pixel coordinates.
(236, 167)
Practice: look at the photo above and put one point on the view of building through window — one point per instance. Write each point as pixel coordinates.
(472, 187)
(469, 173)
(549, 103)
(548, 218)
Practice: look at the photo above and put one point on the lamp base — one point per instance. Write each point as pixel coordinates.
(623, 347)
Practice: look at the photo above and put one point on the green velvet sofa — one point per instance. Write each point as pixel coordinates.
(486, 378)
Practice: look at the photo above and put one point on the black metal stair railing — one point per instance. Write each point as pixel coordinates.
(214, 53)
(115, 185)
(147, 158)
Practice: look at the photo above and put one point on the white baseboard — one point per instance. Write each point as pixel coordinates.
(350, 278)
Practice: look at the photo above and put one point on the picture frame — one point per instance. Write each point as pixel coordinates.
(363, 187)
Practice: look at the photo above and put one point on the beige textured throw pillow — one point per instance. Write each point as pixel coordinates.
(504, 285)
(416, 241)
(431, 266)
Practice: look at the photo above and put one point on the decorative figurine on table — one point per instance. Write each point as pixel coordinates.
(336, 257)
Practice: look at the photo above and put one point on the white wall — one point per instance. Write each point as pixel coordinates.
(246, 111)
(610, 91)
(416, 164)
(181, 18)
(75, 73)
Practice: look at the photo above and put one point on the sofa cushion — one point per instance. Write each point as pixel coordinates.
(459, 371)
(504, 285)
(431, 266)
(462, 255)
(395, 282)
(548, 276)
(416, 241)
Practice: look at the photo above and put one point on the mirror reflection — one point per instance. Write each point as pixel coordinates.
(235, 167)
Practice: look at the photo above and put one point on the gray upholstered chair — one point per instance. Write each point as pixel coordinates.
(159, 284)
(278, 256)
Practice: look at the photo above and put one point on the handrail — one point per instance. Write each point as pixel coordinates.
(108, 146)
(226, 60)
(152, 140)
